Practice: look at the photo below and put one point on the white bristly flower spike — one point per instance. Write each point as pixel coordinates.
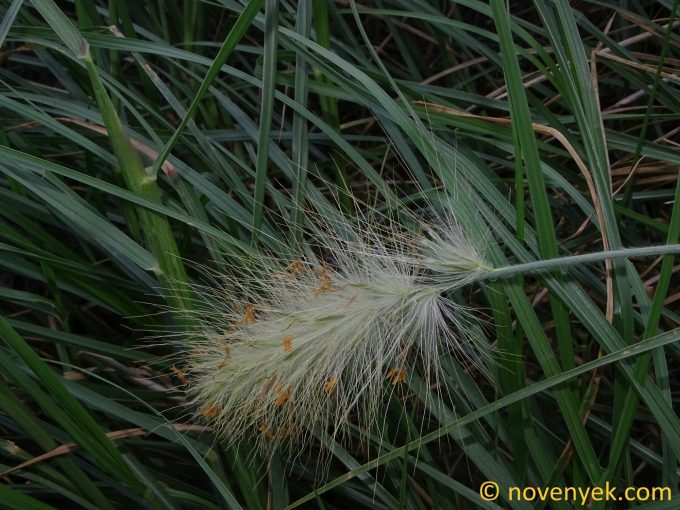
(311, 343)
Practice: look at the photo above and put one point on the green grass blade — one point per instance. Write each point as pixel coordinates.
(269, 64)
(8, 19)
(235, 34)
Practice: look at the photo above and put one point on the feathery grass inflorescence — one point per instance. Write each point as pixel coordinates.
(290, 347)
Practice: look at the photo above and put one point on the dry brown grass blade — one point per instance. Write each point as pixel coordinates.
(652, 27)
(24, 48)
(168, 168)
(113, 436)
(608, 263)
(636, 65)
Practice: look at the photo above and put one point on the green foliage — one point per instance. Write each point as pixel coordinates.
(142, 139)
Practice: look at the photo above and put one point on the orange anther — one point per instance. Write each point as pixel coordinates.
(330, 385)
(211, 411)
(396, 375)
(179, 374)
(266, 429)
(249, 315)
(282, 394)
(268, 385)
(227, 357)
(287, 343)
(325, 280)
(295, 267)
